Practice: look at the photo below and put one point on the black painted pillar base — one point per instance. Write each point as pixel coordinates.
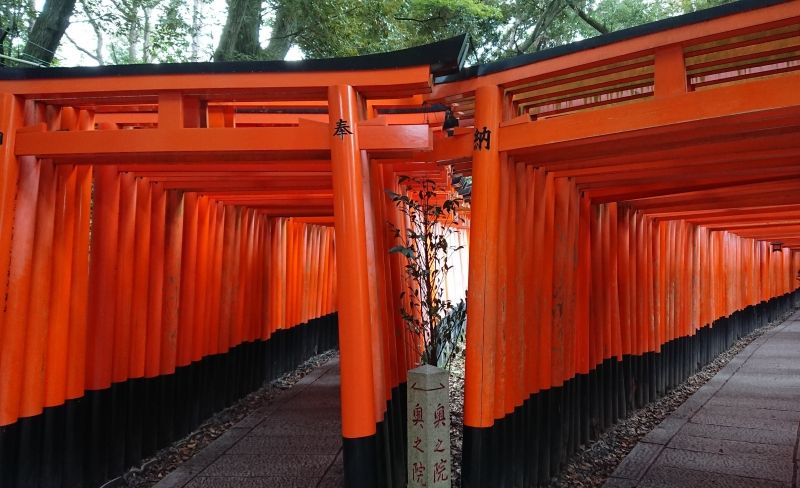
(360, 461)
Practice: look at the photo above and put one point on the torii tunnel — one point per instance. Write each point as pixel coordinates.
(172, 236)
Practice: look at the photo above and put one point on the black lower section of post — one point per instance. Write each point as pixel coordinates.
(530, 445)
(89, 440)
(360, 459)
(478, 457)
(380, 460)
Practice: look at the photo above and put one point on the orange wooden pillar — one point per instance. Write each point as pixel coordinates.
(15, 255)
(101, 317)
(74, 442)
(479, 394)
(583, 289)
(389, 417)
(173, 236)
(355, 329)
(11, 110)
(36, 333)
(204, 263)
(186, 381)
(137, 420)
(120, 391)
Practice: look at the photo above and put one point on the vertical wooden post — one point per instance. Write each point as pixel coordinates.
(479, 401)
(141, 278)
(125, 268)
(121, 406)
(186, 318)
(102, 309)
(355, 329)
(11, 110)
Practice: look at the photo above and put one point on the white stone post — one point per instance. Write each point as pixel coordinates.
(429, 463)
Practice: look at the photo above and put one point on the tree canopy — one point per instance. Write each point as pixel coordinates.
(144, 31)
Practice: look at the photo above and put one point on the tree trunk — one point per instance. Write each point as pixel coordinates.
(133, 39)
(552, 10)
(593, 23)
(239, 39)
(196, 25)
(283, 33)
(48, 29)
(146, 36)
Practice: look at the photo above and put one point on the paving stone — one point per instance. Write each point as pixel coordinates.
(637, 461)
(664, 431)
(270, 465)
(687, 409)
(752, 412)
(334, 477)
(320, 415)
(781, 386)
(755, 401)
(744, 422)
(620, 483)
(332, 482)
(672, 477)
(297, 427)
(309, 402)
(722, 446)
(289, 444)
(247, 482)
(741, 466)
(704, 394)
(760, 436)
(191, 468)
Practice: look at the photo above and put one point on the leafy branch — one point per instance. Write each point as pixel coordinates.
(431, 220)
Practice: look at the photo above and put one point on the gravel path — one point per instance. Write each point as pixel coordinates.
(457, 413)
(153, 469)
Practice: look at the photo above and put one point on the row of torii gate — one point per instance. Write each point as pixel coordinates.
(167, 237)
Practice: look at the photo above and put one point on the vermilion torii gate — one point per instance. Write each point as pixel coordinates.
(166, 236)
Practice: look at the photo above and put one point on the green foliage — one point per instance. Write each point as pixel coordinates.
(172, 35)
(621, 14)
(16, 19)
(424, 245)
(133, 31)
(498, 28)
(328, 28)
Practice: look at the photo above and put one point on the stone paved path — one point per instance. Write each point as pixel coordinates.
(739, 430)
(294, 442)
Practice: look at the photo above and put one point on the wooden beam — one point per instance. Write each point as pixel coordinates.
(156, 145)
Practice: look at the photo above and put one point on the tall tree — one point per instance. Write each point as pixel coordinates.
(47, 31)
(240, 36)
(137, 31)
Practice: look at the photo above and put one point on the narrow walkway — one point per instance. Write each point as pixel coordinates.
(739, 430)
(294, 442)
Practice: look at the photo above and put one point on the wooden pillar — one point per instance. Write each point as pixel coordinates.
(355, 334)
(102, 309)
(479, 401)
(11, 110)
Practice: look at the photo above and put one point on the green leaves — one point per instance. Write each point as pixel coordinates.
(405, 251)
